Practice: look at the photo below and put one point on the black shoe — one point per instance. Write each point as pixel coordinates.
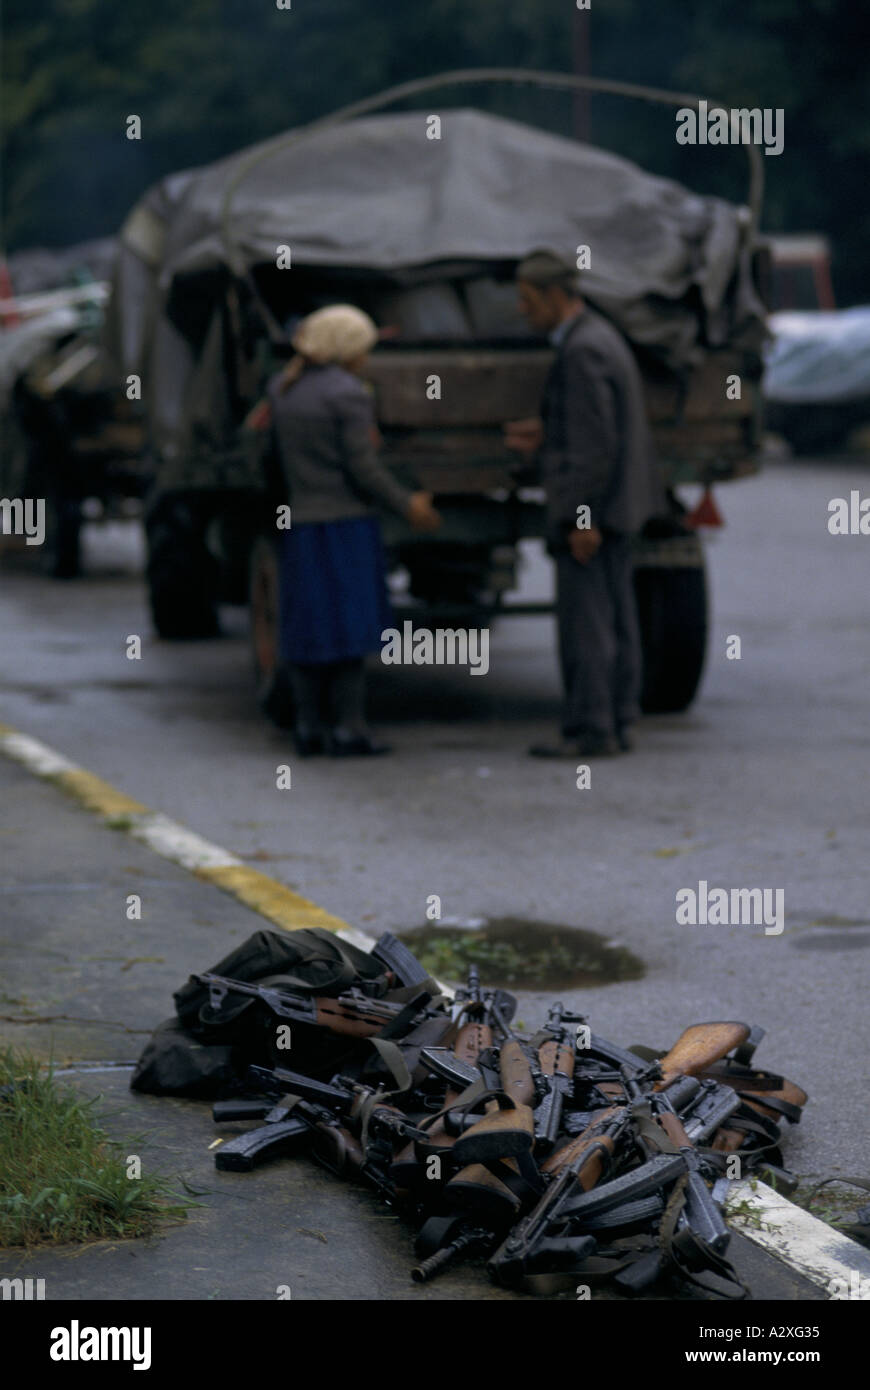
(355, 746)
(589, 746)
(309, 742)
(625, 740)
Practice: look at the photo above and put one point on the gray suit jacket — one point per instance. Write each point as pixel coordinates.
(598, 447)
(322, 430)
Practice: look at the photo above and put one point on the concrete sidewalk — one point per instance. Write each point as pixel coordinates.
(83, 983)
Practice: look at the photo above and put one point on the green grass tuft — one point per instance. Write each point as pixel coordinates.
(61, 1178)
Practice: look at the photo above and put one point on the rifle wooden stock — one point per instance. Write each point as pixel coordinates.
(728, 1140)
(503, 1133)
(592, 1141)
(698, 1048)
(756, 1088)
(788, 1092)
(475, 1187)
(500, 1134)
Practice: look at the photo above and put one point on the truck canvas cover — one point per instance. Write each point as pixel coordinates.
(670, 267)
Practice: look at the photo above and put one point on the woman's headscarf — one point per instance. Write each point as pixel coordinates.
(338, 333)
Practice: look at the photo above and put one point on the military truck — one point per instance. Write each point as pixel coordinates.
(70, 438)
(421, 219)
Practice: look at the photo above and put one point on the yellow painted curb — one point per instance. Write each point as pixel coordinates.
(270, 898)
(97, 795)
(274, 901)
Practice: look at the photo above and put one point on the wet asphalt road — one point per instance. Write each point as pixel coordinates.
(82, 983)
(763, 783)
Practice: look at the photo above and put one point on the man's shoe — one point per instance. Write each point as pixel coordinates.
(625, 740)
(590, 746)
(355, 746)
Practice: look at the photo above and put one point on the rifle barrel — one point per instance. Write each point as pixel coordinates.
(466, 1240)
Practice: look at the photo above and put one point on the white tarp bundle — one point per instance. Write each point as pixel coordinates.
(817, 358)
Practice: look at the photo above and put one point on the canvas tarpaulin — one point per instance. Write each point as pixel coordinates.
(670, 267)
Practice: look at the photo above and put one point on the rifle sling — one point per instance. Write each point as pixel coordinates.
(790, 1112)
(414, 998)
(468, 1099)
(391, 1055)
(650, 1132)
(680, 1246)
(751, 1122)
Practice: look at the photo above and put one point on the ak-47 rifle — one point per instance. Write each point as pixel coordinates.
(307, 1125)
(409, 1168)
(471, 1037)
(548, 1240)
(538, 1240)
(701, 1214)
(493, 1154)
(344, 1110)
(341, 1096)
(502, 1139)
(352, 1014)
(556, 1059)
(579, 1206)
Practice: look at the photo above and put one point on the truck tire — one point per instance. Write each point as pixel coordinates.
(816, 429)
(817, 432)
(671, 589)
(65, 527)
(181, 573)
(272, 684)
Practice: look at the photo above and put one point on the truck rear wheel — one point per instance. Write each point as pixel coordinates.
(816, 429)
(671, 590)
(273, 687)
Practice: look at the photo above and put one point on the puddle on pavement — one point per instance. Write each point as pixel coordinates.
(834, 921)
(831, 941)
(512, 952)
(832, 933)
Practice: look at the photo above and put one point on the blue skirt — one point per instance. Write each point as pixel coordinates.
(334, 603)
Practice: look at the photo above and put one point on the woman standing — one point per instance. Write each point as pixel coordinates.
(334, 603)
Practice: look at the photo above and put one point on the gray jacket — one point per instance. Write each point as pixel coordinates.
(598, 447)
(322, 430)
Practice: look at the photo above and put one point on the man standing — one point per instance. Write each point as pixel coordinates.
(598, 469)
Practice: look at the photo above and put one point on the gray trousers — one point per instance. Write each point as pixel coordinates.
(599, 640)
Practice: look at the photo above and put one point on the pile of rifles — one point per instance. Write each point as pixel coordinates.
(561, 1158)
